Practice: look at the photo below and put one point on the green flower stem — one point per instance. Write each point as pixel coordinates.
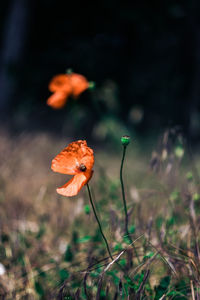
(123, 193)
(124, 202)
(105, 240)
(100, 228)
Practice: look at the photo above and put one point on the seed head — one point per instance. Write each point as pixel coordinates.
(125, 140)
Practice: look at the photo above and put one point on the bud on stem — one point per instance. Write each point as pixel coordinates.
(125, 140)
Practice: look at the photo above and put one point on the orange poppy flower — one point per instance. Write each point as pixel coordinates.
(76, 159)
(65, 85)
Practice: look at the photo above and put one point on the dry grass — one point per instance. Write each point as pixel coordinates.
(37, 224)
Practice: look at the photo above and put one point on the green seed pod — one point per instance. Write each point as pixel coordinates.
(125, 140)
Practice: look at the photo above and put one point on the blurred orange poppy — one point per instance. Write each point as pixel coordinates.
(76, 159)
(65, 85)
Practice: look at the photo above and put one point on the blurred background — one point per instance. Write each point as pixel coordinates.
(143, 56)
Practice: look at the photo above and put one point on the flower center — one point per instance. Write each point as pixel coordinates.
(82, 167)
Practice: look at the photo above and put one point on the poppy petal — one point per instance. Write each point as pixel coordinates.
(60, 82)
(84, 153)
(57, 100)
(65, 163)
(73, 186)
(78, 83)
(69, 160)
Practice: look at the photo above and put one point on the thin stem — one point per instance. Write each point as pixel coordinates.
(100, 228)
(124, 202)
(105, 240)
(123, 192)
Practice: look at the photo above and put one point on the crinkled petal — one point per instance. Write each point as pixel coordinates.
(69, 160)
(65, 163)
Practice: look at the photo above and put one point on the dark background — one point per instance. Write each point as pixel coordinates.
(142, 55)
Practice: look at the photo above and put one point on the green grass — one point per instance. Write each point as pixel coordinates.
(51, 246)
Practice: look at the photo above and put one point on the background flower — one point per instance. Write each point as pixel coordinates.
(64, 86)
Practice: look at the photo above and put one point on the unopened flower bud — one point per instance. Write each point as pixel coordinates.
(125, 140)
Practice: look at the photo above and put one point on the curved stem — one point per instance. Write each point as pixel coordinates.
(124, 202)
(97, 219)
(105, 240)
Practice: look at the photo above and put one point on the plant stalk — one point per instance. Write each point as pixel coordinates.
(103, 236)
(97, 219)
(124, 202)
(123, 193)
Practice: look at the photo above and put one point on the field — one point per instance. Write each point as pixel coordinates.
(51, 246)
